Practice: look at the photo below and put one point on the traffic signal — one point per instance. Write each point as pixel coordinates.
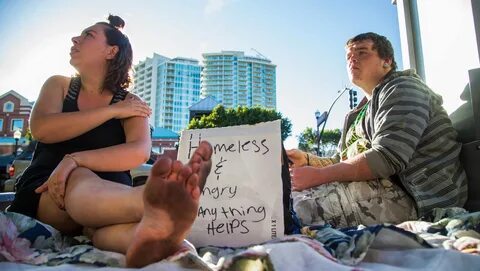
(353, 98)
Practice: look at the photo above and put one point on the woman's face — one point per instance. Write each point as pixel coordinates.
(90, 49)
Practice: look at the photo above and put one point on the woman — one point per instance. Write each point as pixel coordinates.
(79, 177)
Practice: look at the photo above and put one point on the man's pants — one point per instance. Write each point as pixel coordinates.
(345, 204)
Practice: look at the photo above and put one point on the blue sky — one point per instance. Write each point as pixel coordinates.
(305, 39)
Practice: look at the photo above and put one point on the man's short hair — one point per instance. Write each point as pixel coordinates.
(380, 43)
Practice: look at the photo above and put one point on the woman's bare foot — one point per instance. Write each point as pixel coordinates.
(171, 200)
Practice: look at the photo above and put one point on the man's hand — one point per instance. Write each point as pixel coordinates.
(297, 157)
(305, 177)
(56, 183)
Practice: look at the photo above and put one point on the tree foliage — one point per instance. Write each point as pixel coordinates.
(221, 117)
(307, 141)
(28, 135)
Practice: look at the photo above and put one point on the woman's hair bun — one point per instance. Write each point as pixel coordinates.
(116, 21)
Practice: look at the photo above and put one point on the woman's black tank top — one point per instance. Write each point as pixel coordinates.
(47, 156)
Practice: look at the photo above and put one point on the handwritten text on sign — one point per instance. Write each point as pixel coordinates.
(241, 203)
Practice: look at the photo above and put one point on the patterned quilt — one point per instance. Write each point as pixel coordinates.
(26, 240)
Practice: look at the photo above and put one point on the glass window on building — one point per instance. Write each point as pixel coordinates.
(17, 124)
(1, 124)
(8, 107)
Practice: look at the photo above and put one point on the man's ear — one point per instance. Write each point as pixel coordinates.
(112, 52)
(387, 62)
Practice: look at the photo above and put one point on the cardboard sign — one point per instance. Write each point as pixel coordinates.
(241, 203)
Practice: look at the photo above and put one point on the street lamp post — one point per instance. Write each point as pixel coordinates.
(17, 135)
(322, 118)
(317, 116)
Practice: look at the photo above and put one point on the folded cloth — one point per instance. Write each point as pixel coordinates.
(450, 228)
(27, 240)
(350, 245)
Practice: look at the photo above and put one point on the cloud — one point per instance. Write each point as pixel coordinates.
(214, 6)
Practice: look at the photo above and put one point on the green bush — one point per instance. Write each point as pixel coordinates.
(221, 117)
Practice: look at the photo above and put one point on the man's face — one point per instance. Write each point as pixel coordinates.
(365, 67)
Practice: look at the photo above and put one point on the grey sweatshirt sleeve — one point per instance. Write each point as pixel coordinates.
(399, 122)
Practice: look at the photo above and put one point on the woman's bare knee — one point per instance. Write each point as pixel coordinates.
(80, 180)
(95, 202)
(80, 174)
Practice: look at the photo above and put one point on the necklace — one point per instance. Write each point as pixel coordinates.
(360, 115)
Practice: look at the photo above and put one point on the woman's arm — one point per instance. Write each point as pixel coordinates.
(47, 117)
(121, 157)
(134, 152)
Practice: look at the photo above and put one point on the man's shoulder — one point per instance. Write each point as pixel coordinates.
(408, 77)
(406, 83)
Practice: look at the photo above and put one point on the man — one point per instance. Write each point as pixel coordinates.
(399, 154)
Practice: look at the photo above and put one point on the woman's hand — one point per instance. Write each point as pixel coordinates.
(131, 107)
(56, 183)
(297, 157)
(305, 177)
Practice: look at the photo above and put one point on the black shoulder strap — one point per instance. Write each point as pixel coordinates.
(120, 95)
(73, 89)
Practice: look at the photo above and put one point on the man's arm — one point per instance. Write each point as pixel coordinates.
(353, 169)
(401, 119)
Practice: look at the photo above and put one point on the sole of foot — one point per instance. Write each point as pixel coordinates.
(171, 199)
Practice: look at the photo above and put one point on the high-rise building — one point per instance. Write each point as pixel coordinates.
(170, 87)
(234, 79)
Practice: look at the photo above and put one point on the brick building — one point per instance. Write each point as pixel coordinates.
(14, 115)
